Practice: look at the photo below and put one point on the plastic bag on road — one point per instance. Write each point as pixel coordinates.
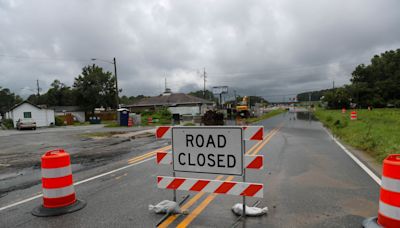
(166, 207)
(250, 211)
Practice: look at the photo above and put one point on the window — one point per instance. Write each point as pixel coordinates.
(27, 115)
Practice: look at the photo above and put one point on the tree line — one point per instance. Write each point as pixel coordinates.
(93, 88)
(376, 84)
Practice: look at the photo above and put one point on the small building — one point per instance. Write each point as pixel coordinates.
(43, 117)
(177, 103)
(77, 113)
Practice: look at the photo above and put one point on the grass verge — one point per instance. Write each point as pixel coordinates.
(266, 116)
(376, 132)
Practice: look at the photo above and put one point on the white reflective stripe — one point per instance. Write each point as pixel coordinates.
(237, 189)
(212, 186)
(188, 184)
(56, 172)
(165, 181)
(260, 193)
(391, 184)
(58, 192)
(389, 211)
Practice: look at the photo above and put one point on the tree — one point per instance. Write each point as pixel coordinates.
(60, 95)
(95, 88)
(8, 100)
(378, 83)
(337, 98)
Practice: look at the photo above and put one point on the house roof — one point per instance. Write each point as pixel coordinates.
(26, 101)
(170, 100)
(67, 108)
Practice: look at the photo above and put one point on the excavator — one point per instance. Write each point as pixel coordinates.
(242, 110)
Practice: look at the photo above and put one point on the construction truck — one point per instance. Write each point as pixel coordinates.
(243, 109)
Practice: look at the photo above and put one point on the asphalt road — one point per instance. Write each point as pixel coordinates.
(309, 181)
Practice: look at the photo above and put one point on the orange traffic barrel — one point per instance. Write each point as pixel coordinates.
(389, 200)
(57, 185)
(353, 115)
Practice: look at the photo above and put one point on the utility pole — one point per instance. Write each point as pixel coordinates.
(309, 99)
(333, 84)
(234, 93)
(38, 87)
(116, 83)
(204, 83)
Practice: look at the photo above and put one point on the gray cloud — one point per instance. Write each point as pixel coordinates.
(265, 48)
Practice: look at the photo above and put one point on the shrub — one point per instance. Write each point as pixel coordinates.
(8, 123)
(59, 121)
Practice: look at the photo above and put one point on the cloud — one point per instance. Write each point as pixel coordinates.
(264, 48)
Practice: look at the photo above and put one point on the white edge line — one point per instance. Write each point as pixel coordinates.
(78, 183)
(355, 159)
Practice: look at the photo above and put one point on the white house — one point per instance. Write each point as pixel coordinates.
(43, 117)
(177, 103)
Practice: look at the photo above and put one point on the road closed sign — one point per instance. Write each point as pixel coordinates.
(217, 150)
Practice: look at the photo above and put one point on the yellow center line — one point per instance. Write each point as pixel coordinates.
(267, 139)
(171, 219)
(197, 211)
(140, 157)
(185, 206)
(188, 219)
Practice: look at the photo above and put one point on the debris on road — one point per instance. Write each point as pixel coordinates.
(250, 211)
(167, 207)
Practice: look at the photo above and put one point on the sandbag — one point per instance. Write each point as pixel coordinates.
(166, 207)
(250, 211)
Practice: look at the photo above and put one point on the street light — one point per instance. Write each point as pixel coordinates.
(114, 62)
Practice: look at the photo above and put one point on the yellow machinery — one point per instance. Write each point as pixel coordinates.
(242, 109)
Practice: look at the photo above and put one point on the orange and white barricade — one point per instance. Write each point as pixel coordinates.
(353, 115)
(58, 187)
(389, 200)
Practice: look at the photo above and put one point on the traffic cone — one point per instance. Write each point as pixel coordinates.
(58, 186)
(353, 115)
(389, 200)
(343, 110)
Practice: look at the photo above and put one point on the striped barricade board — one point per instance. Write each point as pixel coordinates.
(250, 132)
(211, 186)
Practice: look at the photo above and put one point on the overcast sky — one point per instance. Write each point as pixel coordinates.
(264, 48)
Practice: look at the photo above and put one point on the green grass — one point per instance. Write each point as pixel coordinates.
(111, 123)
(376, 131)
(266, 116)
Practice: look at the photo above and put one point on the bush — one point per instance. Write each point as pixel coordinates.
(59, 121)
(8, 123)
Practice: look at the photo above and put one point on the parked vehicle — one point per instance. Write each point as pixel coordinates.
(26, 124)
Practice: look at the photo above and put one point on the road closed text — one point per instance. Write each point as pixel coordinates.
(205, 150)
